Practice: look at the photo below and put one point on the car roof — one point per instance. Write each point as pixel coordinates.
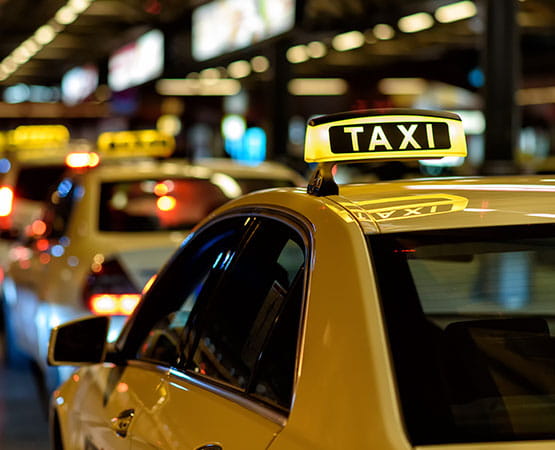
(421, 204)
(128, 169)
(443, 203)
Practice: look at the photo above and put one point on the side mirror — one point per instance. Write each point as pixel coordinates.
(79, 342)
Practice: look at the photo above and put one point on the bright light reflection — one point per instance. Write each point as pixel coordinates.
(227, 184)
(485, 187)
(480, 210)
(547, 216)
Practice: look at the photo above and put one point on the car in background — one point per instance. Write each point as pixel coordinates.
(107, 228)
(395, 315)
(32, 159)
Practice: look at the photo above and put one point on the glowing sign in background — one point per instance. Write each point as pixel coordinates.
(223, 26)
(137, 62)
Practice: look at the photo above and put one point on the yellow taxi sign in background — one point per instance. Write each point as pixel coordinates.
(140, 143)
(34, 142)
(379, 134)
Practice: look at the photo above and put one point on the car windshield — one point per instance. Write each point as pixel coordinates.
(470, 317)
(157, 204)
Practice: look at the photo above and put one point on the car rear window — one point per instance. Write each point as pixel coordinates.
(34, 183)
(157, 204)
(470, 317)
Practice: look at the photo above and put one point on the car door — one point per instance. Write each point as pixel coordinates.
(233, 381)
(233, 384)
(119, 405)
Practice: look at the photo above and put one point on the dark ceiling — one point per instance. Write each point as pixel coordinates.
(108, 24)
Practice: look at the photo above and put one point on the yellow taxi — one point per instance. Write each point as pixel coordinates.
(110, 223)
(32, 158)
(396, 315)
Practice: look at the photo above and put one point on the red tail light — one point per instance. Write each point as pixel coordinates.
(6, 201)
(114, 304)
(109, 291)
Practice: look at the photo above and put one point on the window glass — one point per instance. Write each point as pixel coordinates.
(249, 308)
(470, 317)
(34, 183)
(157, 204)
(58, 211)
(168, 305)
(274, 378)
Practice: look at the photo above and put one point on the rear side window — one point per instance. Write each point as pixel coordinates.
(35, 183)
(157, 204)
(470, 317)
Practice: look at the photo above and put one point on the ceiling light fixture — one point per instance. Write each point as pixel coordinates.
(455, 11)
(297, 54)
(348, 41)
(318, 86)
(316, 49)
(192, 87)
(383, 31)
(42, 36)
(239, 69)
(415, 22)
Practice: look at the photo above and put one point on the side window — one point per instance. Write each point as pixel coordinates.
(253, 316)
(60, 207)
(190, 275)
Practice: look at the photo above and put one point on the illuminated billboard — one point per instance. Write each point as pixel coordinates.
(79, 83)
(223, 26)
(138, 62)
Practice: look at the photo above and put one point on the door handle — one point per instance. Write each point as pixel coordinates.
(120, 424)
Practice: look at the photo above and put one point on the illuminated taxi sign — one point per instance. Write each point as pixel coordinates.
(35, 142)
(38, 136)
(141, 143)
(384, 135)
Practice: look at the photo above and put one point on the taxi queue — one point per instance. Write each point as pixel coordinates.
(390, 315)
(89, 226)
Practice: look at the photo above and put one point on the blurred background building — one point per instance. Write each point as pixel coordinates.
(239, 78)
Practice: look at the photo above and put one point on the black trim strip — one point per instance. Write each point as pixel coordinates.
(319, 120)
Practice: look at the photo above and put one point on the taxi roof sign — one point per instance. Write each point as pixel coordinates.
(35, 142)
(139, 143)
(384, 134)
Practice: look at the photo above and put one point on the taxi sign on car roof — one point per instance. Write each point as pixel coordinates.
(140, 143)
(379, 134)
(32, 142)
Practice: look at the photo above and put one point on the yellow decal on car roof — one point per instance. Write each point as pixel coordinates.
(412, 206)
(140, 143)
(391, 134)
